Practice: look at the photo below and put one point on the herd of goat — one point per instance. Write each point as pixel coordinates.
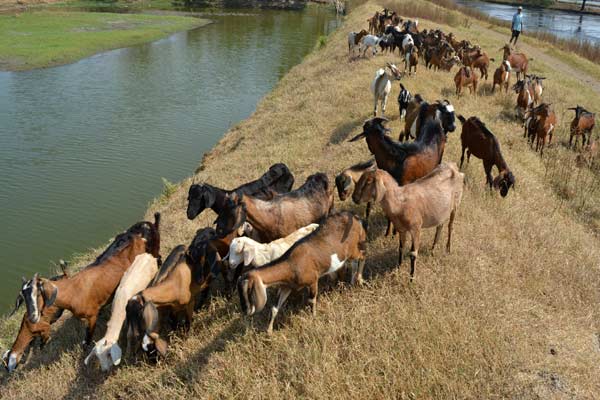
(268, 235)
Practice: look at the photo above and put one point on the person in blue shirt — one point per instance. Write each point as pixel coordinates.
(517, 25)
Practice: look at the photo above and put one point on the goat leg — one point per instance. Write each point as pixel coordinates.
(283, 295)
(450, 224)
(414, 251)
(90, 330)
(389, 228)
(438, 231)
(313, 289)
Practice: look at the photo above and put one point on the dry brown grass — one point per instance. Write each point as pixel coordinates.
(513, 312)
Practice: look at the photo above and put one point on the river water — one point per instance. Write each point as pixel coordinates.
(567, 25)
(83, 147)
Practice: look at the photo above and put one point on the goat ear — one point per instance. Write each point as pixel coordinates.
(161, 346)
(89, 357)
(249, 255)
(115, 354)
(18, 303)
(49, 292)
(378, 189)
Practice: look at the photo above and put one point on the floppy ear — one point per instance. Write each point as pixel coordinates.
(49, 292)
(87, 359)
(209, 196)
(161, 346)
(115, 354)
(18, 304)
(378, 189)
(249, 255)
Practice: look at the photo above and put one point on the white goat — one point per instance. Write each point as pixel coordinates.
(407, 43)
(250, 252)
(136, 278)
(382, 86)
(370, 41)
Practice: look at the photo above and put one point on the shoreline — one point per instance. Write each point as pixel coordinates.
(101, 35)
(558, 6)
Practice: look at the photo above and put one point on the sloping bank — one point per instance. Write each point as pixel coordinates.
(41, 39)
(511, 313)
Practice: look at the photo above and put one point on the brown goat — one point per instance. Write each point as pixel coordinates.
(479, 141)
(427, 202)
(412, 113)
(442, 110)
(583, 123)
(185, 274)
(477, 59)
(465, 77)
(284, 214)
(347, 179)
(518, 61)
(540, 123)
(88, 290)
(340, 238)
(525, 97)
(502, 76)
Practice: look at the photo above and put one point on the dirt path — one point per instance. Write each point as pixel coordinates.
(556, 63)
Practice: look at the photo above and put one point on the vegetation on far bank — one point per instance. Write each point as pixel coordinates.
(47, 38)
(512, 312)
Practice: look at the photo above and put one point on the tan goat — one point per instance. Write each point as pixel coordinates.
(426, 203)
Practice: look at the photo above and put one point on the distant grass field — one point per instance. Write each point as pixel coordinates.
(47, 38)
(512, 313)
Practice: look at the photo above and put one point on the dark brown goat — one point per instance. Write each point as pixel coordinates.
(479, 141)
(278, 179)
(406, 162)
(185, 274)
(284, 214)
(339, 239)
(88, 290)
(540, 123)
(583, 123)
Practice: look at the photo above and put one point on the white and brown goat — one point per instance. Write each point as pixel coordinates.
(340, 239)
(502, 76)
(426, 203)
(382, 85)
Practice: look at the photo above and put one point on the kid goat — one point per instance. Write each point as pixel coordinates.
(135, 279)
(341, 238)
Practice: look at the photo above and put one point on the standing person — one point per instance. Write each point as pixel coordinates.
(517, 25)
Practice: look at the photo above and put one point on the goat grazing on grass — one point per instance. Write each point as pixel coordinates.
(479, 141)
(525, 97)
(404, 98)
(185, 274)
(446, 64)
(502, 76)
(278, 179)
(442, 110)
(347, 179)
(283, 214)
(518, 61)
(540, 123)
(88, 290)
(583, 123)
(382, 85)
(466, 77)
(354, 39)
(426, 203)
(30, 331)
(340, 239)
(136, 278)
(369, 41)
(245, 252)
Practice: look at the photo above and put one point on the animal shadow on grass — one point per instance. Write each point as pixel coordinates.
(448, 92)
(485, 89)
(233, 330)
(341, 133)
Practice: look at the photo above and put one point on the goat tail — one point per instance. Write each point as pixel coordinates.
(492, 59)
(461, 119)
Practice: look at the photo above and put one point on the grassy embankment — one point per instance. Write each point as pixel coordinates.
(46, 38)
(513, 312)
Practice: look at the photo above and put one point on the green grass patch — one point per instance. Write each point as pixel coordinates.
(44, 38)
